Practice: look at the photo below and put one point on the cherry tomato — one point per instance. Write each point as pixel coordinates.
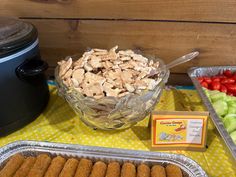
(223, 88)
(204, 84)
(228, 73)
(231, 88)
(200, 79)
(234, 76)
(227, 81)
(207, 80)
(230, 94)
(215, 85)
(215, 79)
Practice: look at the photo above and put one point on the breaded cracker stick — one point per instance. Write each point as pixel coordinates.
(84, 168)
(40, 166)
(143, 171)
(69, 168)
(128, 170)
(56, 166)
(158, 171)
(113, 169)
(99, 169)
(25, 167)
(12, 165)
(173, 171)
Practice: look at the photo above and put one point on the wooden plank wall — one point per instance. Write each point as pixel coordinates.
(165, 28)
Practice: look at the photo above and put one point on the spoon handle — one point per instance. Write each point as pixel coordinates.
(182, 59)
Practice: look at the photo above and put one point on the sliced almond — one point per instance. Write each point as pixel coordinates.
(98, 53)
(140, 85)
(61, 62)
(126, 52)
(107, 87)
(110, 56)
(78, 75)
(68, 74)
(126, 76)
(79, 89)
(67, 82)
(109, 64)
(129, 87)
(126, 58)
(113, 49)
(79, 63)
(123, 94)
(133, 63)
(88, 67)
(100, 50)
(113, 75)
(140, 58)
(115, 67)
(157, 64)
(92, 89)
(64, 67)
(117, 62)
(75, 82)
(95, 62)
(110, 81)
(93, 78)
(142, 75)
(118, 83)
(88, 53)
(151, 83)
(126, 65)
(151, 63)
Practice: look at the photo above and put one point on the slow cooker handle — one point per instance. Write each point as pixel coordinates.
(31, 68)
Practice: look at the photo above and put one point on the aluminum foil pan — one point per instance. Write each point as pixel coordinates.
(211, 71)
(31, 148)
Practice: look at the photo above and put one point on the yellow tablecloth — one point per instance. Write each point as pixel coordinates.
(58, 123)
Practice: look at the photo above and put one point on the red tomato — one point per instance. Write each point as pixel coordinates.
(215, 85)
(228, 73)
(207, 80)
(200, 79)
(215, 79)
(227, 81)
(231, 88)
(223, 88)
(230, 94)
(234, 76)
(204, 84)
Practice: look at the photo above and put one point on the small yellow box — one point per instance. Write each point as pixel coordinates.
(179, 130)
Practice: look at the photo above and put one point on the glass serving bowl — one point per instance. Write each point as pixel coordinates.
(109, 113)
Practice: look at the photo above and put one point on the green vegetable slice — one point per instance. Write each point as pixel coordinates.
(233, 136)
(220, 107)
(230, 122)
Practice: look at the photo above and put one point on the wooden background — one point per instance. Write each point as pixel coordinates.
(166, 28)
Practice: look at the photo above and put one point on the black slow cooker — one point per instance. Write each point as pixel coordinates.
(23, 88)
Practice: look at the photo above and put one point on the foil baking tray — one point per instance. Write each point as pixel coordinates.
(32, 148)
(212, 71)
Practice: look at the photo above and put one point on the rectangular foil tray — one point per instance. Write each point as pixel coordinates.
(212, 71)
(32, 148)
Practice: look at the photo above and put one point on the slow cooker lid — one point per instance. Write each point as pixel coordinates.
(14, 35)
